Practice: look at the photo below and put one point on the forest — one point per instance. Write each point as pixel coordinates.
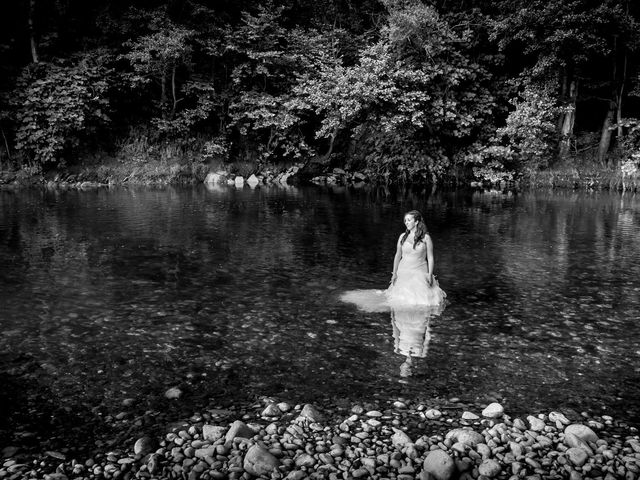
(402, 90)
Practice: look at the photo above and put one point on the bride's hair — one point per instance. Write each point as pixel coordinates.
(421, 228)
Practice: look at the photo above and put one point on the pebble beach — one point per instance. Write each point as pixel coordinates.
(399, 439)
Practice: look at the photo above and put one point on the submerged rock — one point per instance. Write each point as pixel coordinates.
(144, 445)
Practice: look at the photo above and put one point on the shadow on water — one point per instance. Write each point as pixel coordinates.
(110, 297)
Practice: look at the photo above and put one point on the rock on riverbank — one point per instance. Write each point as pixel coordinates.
(279, 441)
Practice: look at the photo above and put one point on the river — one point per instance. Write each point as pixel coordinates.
(111, 296)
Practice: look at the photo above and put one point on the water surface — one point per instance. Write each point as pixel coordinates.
(232, 294)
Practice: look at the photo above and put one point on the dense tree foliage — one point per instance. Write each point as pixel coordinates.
(403, 89)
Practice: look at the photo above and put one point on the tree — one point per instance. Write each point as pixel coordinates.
(57, 106)
(157, 57)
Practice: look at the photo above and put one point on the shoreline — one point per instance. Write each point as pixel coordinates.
(398, 438)
(186, 174)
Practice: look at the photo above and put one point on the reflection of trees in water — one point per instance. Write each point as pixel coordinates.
(173, 274)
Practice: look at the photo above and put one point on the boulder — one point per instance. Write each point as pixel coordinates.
(253, 180)
(259, 461)
(439, 465)
(214, 178)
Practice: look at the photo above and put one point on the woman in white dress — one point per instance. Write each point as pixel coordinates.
(413, 283)
(413, 297)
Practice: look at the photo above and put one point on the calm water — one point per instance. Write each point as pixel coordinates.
(122, 293)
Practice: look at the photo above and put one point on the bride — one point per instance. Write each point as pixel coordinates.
(413, 285)
(412, 281)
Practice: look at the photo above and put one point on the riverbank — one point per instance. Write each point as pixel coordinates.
(184, 172)
(396, 439)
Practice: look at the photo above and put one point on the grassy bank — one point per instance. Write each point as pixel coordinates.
(596, 178)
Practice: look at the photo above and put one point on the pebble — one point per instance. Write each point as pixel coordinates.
(366, 442)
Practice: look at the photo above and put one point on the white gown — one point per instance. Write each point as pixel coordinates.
(410, 291)
(411, 287)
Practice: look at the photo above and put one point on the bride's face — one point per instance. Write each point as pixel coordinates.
(410, 222)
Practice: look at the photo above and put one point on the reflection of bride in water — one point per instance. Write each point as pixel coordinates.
(413, 296)
(411, 335)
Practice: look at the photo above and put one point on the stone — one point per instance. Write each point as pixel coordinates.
(144, 445)
(572, 441)
(202, 453)
(583, 432)
(484, 450)
(253, 180)
(439, 465)
(214, 178)
(9, 451)
(433, 414)
(516, 449)
(153, 464)
(466, 436)
(213, 433)
(258, 461)
(296, 475)
(239, 181)
(284, 407)
(577, 456)
(489, 468)
(535, 423)
(469, 416)
(305, 460)
(311, 414)
(271, 410)
(374, 414)
(519, 424)
(493, 410)
(173, 393)
(239, 429)
(400, 439)
(559, 417)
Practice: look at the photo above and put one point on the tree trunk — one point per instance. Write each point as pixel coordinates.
(32, 32)
(173, 91)
(619, 98)
(6, 146)
(605, 137)
(163, 94)
(568, 118)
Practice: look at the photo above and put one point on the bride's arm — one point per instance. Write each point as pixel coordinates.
(429, 244)
(396, 260)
